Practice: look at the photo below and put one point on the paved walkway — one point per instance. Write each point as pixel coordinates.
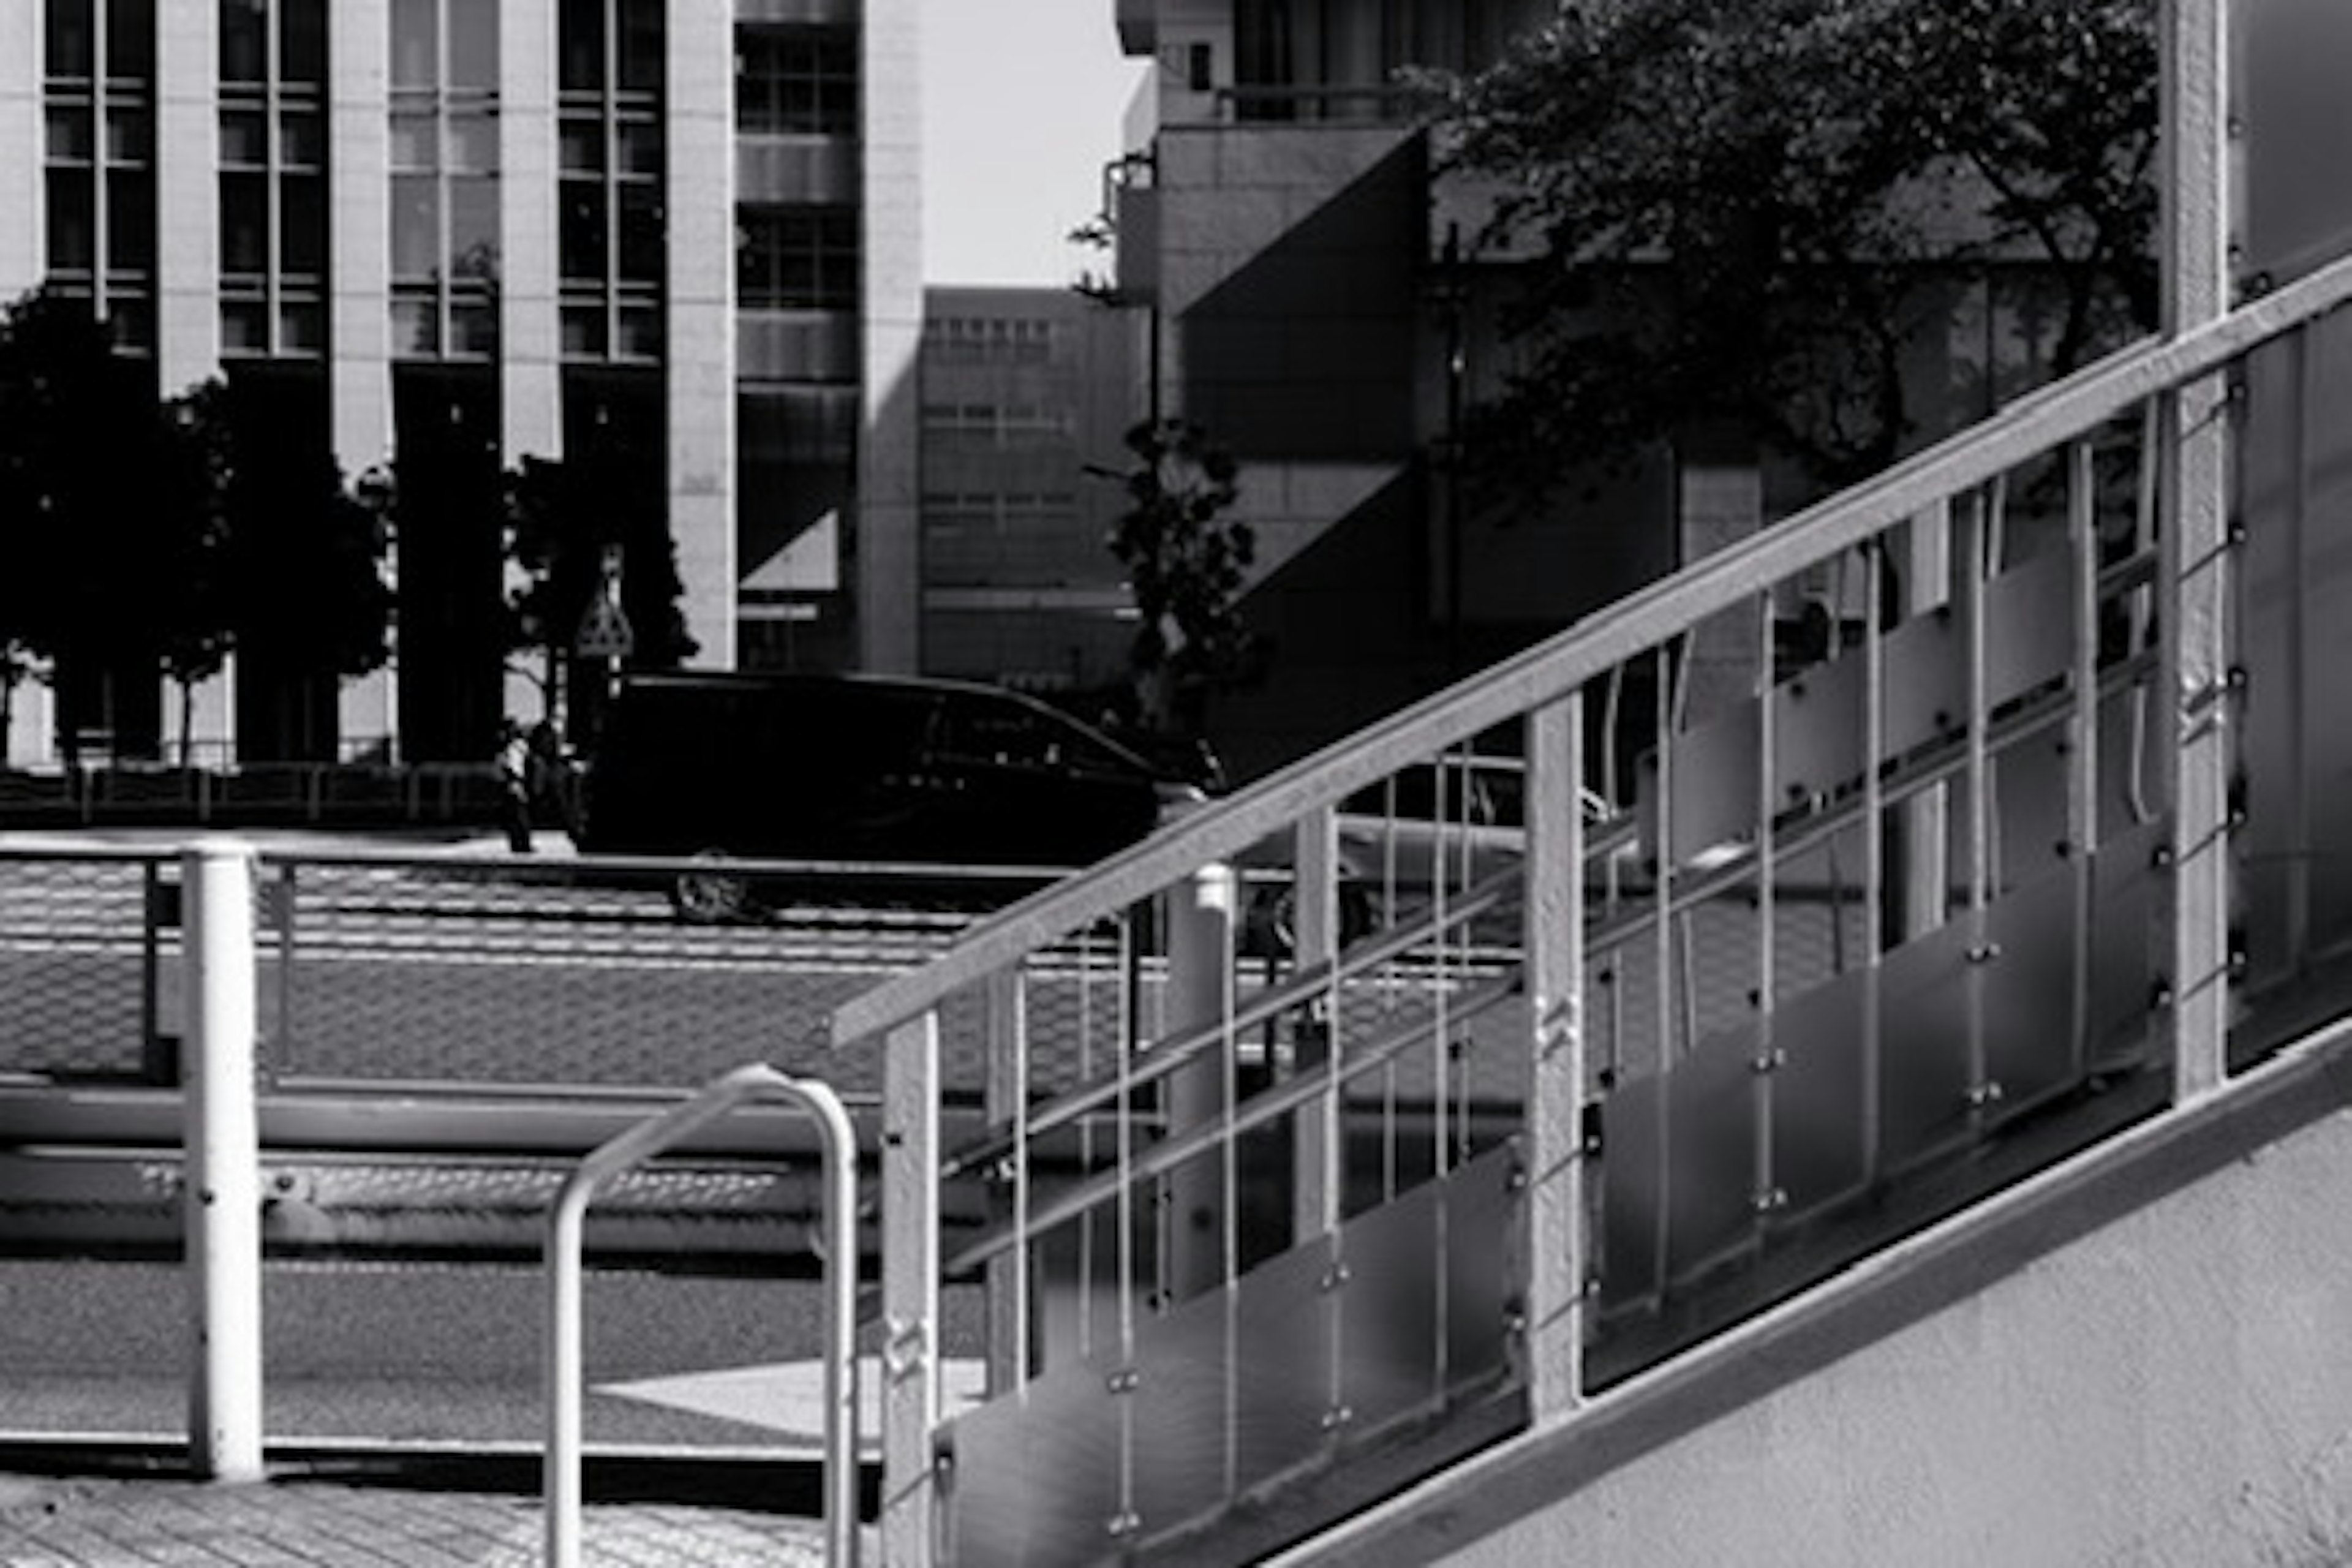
(301, 1519)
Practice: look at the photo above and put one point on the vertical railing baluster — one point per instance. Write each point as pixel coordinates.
(1977, 567)
(1393, 983)
(2294, 700)
(1925, 841)
(1763, 1185)
(1315, 1174)
(1874, 862)
(1123, 1523)
(2192, 622)
(1662, 957)
(910, 1287)
(1319, 1172)
(1559, 1245)
(2083, 748)
(1612, 883)
(1006, 1103)
(1440, 952)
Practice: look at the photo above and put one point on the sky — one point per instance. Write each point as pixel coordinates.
(1022, 101)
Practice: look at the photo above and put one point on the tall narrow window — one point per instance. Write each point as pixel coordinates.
(444, 179)
(273, 179)
(611, 228)
(797, 258)
(97, 102)
(796, 81)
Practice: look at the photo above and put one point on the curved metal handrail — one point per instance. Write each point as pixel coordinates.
(566, 1220)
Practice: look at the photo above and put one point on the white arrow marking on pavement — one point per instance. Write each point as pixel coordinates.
(789, 1396)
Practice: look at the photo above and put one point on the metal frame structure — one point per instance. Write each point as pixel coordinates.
(567, 1219)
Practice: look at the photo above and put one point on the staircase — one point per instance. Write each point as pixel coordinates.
(1435, 1114)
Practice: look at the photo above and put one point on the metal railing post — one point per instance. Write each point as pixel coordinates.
(222, 1187)
(1200, 911)
(2195, 562)
(910, 1293)
(1557, 1246)
(1006, 1104)
(1319, 1146)
(567, 1219)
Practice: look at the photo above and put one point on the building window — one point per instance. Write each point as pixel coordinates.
(444, 179)
(1007, 537)
(988, 340)
(612, 233)
(969, 426)
(797, 258)
(273, 180)
(796, 81)
(97, 107)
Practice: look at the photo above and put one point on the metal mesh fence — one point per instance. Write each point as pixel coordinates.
(80, 965)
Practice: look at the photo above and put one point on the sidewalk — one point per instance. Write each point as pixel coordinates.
(130, 1516)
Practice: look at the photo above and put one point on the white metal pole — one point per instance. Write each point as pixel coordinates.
(2196, 559)
(1559, 1245)
(911, 1292)
(1201, 910)
(223, 1171)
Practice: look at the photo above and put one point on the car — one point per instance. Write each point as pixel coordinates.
(857, 771)
(1453, 826)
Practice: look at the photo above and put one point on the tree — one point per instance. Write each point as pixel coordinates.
(561, 516)
(1185, 564)
(106, 517)
(195, 638)
(1748, 210)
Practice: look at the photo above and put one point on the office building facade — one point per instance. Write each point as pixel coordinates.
(447, 235)
(1027, 397)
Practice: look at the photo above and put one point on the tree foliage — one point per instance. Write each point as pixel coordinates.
(1185, 563)
(155, 536)
(562, 515)
(109, 519)
(302, 563)
(1748, 210)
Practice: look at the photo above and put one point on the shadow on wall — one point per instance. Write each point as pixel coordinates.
(1306, 350)
(1351, 636)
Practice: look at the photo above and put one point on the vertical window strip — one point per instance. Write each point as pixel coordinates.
(99, 97)
(445, 185)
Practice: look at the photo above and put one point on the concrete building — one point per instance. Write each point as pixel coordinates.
(1324, 306)
(1026, 390)
(1276, 219)
(450, 234)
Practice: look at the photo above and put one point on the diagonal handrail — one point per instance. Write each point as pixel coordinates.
(2064, 411)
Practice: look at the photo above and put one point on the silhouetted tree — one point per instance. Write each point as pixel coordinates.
(106, 522)
(1185, 563)
(562, 515)
(1749, 211)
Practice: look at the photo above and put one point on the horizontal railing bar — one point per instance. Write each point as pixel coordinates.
(1167, 1055)
(558, 868)
(154, 854)
(360, 1120)
(1904, 777)
(1260, 1109)
(2036, 422)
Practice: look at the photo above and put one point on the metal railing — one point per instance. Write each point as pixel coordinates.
(246, 795)
(1429, 1110)
(565, 1354)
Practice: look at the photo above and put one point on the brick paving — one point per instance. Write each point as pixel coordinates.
(300, 1520)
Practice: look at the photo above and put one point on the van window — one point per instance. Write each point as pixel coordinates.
(1012, 734)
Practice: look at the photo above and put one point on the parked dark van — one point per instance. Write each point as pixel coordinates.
(860, 768)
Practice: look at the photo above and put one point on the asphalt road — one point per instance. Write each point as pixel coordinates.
(420, 1354)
